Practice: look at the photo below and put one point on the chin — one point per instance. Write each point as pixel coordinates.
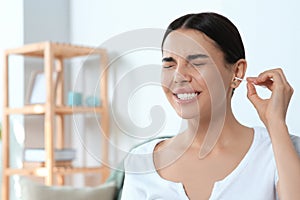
(190, 113)
(194, 112)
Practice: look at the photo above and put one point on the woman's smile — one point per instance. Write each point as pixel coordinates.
(185, 96)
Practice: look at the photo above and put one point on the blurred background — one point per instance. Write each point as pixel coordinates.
(131, 31)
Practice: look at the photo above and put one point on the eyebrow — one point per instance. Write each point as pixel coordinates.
(195, 56)
(189, 57)
(168, 59)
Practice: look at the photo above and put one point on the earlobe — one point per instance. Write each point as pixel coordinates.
(234, 83)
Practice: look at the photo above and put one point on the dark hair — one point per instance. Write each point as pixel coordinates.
(218, 28)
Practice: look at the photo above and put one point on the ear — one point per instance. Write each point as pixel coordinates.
(239, 71)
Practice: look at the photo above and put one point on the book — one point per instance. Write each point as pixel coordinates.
(39, 155)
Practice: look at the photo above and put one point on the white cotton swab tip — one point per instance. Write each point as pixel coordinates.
(240, 79)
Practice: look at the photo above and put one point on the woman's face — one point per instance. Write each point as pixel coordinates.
(195, 76)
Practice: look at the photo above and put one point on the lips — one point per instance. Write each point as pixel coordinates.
(185, 95)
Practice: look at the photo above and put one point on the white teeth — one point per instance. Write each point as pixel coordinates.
(186, 96)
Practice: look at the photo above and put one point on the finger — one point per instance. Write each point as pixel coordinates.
(251, 79)
(268, 76)
(267, 83)
(271, 78)
(273, 74)
(280, 72)
(252, 95)
(285, 82)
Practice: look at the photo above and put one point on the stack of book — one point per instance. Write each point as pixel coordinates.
(36, 157)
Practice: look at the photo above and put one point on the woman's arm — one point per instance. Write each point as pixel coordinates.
(272, 112)
(287, 162)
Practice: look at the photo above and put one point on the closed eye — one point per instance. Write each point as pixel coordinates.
(167, 66)
(168, 62)
(198, 64)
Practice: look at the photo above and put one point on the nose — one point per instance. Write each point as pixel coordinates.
(182, 73)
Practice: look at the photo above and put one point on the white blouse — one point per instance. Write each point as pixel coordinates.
(254, 178)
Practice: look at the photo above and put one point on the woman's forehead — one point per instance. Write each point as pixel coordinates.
(183, 42)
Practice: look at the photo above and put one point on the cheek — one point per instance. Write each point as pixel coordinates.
(166, 79)
(204, 77)
(212, 81)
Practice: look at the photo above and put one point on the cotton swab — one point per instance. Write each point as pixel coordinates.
(240, 79)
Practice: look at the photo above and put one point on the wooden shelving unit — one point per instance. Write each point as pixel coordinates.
(53, 109)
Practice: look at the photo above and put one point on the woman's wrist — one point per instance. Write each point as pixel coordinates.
(277, 127)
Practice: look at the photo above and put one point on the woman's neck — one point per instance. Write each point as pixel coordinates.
(216, 131)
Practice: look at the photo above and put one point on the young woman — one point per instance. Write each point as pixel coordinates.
(216, 157)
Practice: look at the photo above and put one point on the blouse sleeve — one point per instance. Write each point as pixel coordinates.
(296, 142)
(130, 191)
(132, 187)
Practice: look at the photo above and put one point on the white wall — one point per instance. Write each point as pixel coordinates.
(269, 30)
(11, 29)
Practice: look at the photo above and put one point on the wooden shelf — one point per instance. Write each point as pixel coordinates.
(39, 109)
(53, 111)
(72, 170)
(74, 110)
(60, 50)
(30, 109)
(42, 171)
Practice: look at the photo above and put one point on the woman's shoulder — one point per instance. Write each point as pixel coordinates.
(140, 158)
(148, 145)
(296, 141)
(263, 134)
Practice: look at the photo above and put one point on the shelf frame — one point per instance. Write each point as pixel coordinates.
(53, 109)
(43, 171)
(39, 109)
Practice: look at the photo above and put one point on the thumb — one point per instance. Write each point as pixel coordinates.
(252, 95)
